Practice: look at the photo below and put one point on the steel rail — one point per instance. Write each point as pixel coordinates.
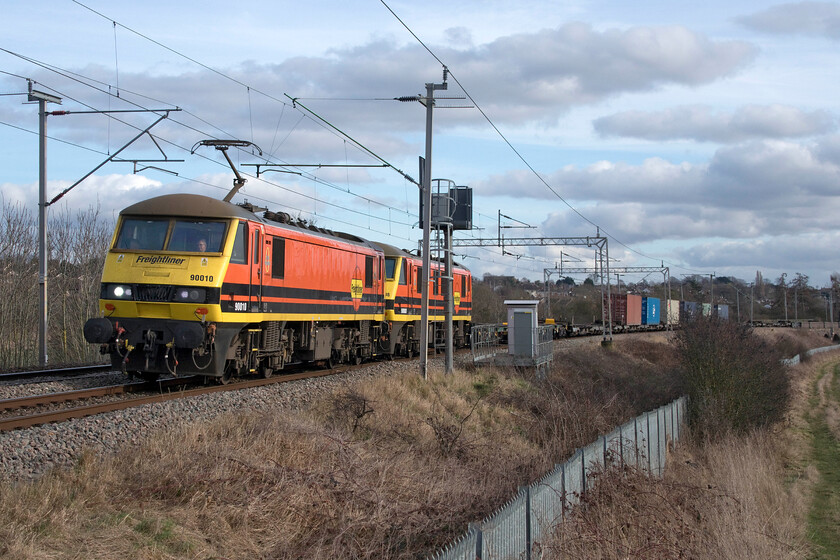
(67, 372)
(81, 394)
(27, 421)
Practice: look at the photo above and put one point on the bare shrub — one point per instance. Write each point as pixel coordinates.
(587, 393)
(18, 287)
(78, 244)
(789, 346)
(448, 426)
(348, 408)
(734, 379)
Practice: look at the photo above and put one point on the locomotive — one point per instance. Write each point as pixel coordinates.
(196, 285)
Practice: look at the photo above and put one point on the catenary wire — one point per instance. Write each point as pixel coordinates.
(510, 145)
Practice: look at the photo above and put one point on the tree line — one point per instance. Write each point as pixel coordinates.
(76, 247)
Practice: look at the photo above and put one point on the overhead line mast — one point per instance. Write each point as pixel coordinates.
(598, 241)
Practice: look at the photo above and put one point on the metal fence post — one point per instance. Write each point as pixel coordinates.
(647, 421)
(636, 439)
(479, 545)
(660, 459)
(583, 471)
(673, 426)
(528, 531)
(621, 444)
(563, 492)
(605, 451)
(679, 418)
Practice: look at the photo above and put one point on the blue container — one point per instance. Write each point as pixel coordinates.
(650, 311)
(722, 311)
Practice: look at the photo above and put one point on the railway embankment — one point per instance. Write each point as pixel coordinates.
(379, 464)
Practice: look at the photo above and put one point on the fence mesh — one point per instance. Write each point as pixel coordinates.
(513, 531)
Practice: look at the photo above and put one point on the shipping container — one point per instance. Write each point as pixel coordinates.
(707, 309)
(673, 311)
(650, 311)
(634, 309)
(618, 309)
(722, 311)
(689, 310)
(625, 309)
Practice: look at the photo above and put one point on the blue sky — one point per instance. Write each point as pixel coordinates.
(701, 135)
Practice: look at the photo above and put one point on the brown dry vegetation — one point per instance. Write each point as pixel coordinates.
(396, 467)
(737, 497)
(790, 342)
(726, 499)
(388, 468)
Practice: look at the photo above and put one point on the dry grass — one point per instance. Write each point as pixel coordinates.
(387, 468)
(723, 500)
(396, 467)
(738, 497)
(791, 342)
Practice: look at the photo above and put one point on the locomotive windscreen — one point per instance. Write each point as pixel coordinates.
(150, 234)
(193, 235)
(142, 234)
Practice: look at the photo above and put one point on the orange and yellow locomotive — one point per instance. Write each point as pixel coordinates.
(196, 285)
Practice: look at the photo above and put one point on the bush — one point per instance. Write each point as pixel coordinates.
(735, 380)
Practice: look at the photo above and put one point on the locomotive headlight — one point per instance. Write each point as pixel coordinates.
(120, 291)
(191, 295)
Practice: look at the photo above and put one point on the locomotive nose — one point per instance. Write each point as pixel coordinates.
(98, 330)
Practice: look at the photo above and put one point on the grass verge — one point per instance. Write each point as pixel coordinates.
(824, 514)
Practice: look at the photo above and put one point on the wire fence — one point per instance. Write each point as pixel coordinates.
(516, 529)
(796, 359)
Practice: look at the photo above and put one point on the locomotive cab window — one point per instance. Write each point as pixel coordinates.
(142, 234)
(278, 257)
(197, 236)
(402, 272)
(390, 267)
(256, 246)
(240, 245)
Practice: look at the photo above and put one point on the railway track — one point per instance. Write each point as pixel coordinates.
(164, 392)
(58, 372)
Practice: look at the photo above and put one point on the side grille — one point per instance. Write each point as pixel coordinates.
(271, 335)
(365, 332)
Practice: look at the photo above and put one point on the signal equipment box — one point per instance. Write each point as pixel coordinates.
(522, 327)
(450, 206)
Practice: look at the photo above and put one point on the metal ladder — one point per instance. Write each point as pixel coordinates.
(442, 207)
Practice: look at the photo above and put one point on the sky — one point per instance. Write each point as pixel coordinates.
(702, 137)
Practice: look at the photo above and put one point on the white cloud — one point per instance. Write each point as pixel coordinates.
(803, 18)
(703, 123)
